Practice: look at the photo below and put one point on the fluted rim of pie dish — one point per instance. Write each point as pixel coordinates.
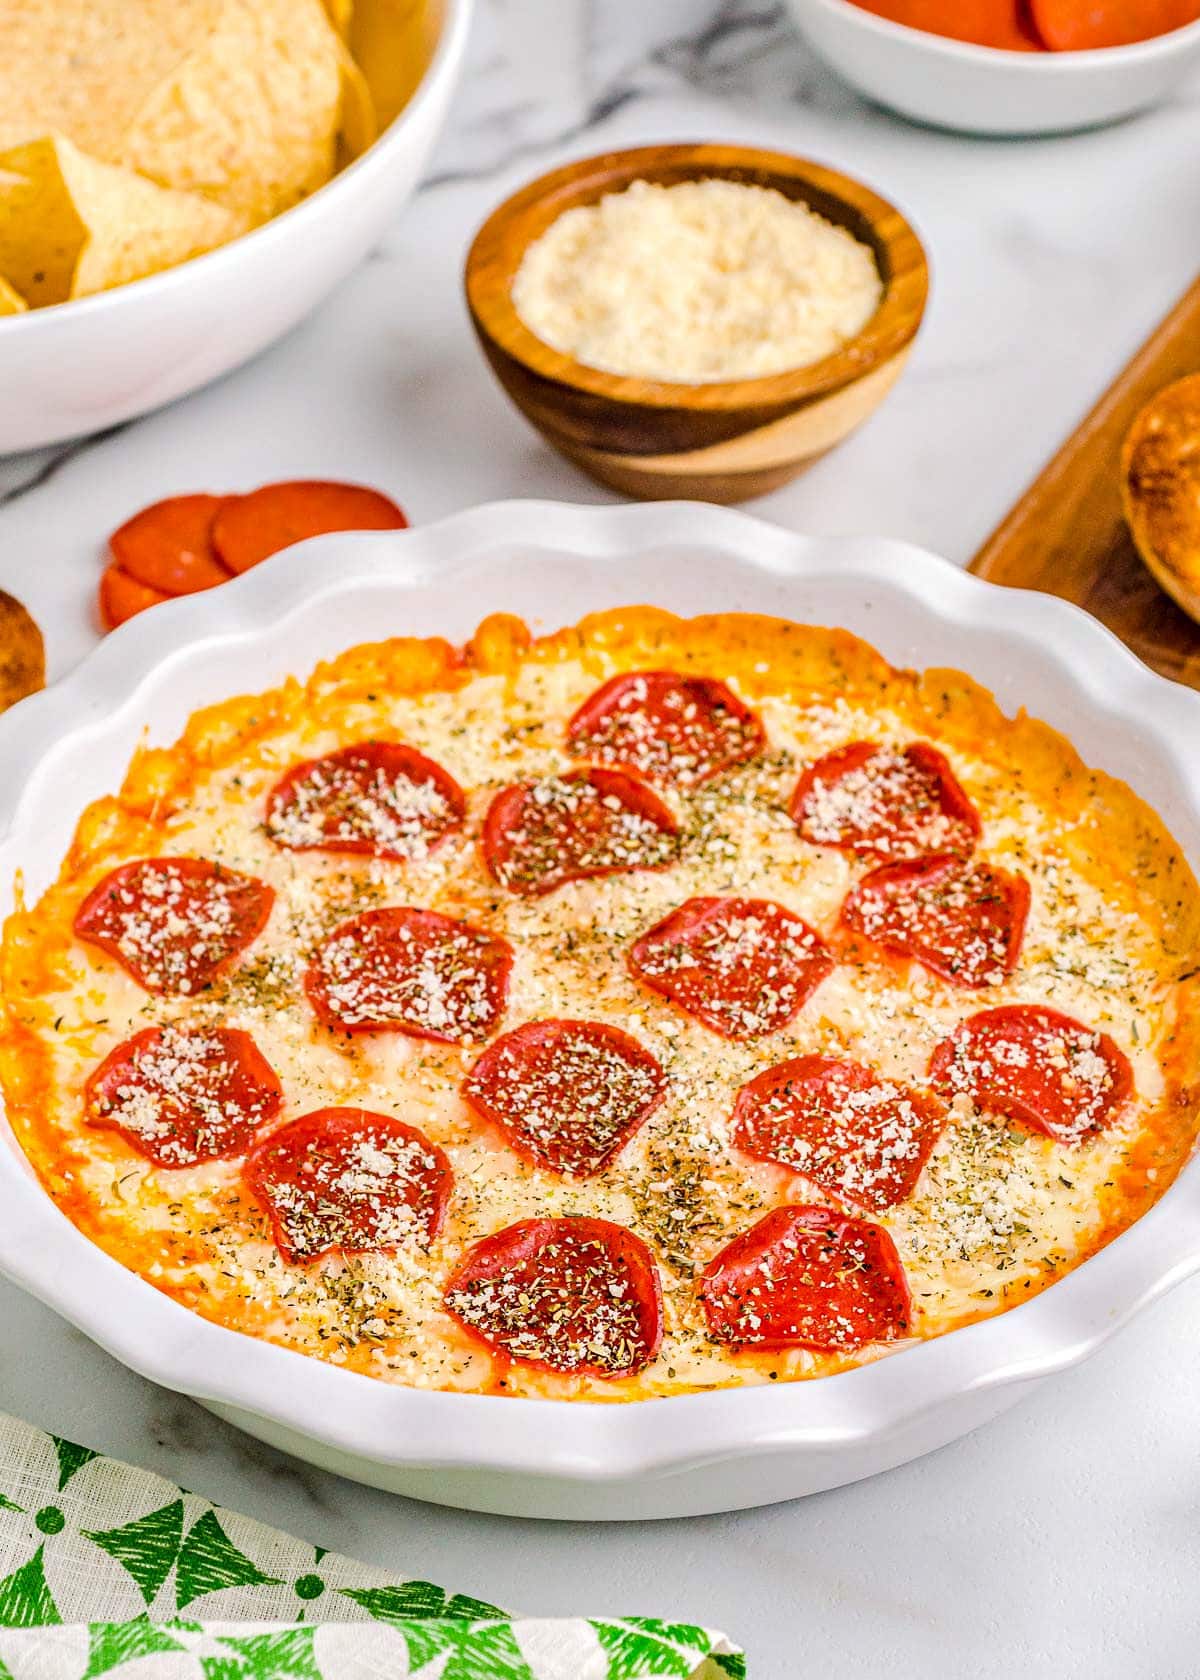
(1045, 645)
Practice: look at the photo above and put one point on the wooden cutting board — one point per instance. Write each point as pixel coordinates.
(1066, 536)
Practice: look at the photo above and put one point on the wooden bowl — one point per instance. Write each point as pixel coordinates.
(718, 442)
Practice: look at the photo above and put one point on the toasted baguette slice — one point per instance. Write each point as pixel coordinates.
(1160, 486)
(22, 653)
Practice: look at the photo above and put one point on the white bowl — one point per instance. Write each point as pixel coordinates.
(82, 366)
(672, 1457)
(981, 90)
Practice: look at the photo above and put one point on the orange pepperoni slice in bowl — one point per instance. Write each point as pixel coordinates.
(539, 835)
(380, 798)
(742, 966)
(184, 1095)
(871, 800)
(411, 971)
(964, 921)
(1085, 25)
(807, 1277)
(581, 1296)
(856, 1136)
(567, 1095)
(987, 23)
(174, 922)
(348, 1181)
(168, 545)
(666, 727)
(248, 529)
(1035, 1066)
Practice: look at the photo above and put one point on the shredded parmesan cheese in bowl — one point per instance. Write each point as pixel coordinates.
(700, 281)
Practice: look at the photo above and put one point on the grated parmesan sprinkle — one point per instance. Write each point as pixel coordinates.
(702, 280)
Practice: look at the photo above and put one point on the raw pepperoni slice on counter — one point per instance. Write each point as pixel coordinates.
(377, 797)
(807, 1277)
(667, 727)
(168, 546)
(964, 921)
(174, 922)
(411, 971)
(887, 804)
(1036, 1066)
(123, 597)
(183, 1095)
(539, 835)
(742, 966)
(859, 1137)
(576, 1295)
(567, 1094)
(250, 528)
(349, 1181)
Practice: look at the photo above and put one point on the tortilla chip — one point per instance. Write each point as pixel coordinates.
(250, 118)
(237, 99)
(11, 301)
(85, 68)
(393, 41)
(70, 226)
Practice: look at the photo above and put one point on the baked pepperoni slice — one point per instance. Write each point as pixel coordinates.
(1037, 1067)
(377, 797)
(857, 1136)
(183, 1095)
(538, 835)
(667, 727)
(882, 803)
(743, 966)
(347, 1181)
(807, 1277)
(576, 1295)
(567, 1094)
(411, 971)
(964, 921)
(174, 922)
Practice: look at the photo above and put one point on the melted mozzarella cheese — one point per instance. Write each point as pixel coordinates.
(996, 1213)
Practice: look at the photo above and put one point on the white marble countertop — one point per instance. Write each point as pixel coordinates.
(1063, 1540)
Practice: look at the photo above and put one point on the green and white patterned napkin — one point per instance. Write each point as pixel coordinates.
(105, 1568)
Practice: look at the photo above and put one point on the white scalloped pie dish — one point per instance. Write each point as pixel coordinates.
(551, 563)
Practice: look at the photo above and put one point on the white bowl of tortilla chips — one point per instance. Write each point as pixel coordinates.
(182, 180)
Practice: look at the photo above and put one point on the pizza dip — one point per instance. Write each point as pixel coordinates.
(657, 1006)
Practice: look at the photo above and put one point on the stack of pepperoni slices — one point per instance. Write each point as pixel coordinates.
(188, 543)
